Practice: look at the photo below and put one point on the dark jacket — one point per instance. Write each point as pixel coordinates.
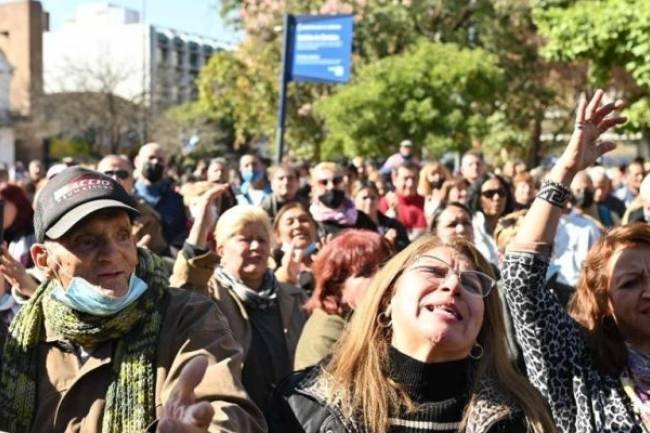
(332, 227)
(300, 407)
(173, 216)
(387, 223)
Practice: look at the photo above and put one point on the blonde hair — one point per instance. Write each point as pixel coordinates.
(232, 221)
(424, 186)
(326, 165)
(359, 366)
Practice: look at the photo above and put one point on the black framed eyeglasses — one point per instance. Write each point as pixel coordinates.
(121, 174)
(475, 283)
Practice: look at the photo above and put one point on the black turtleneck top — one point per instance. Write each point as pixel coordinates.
(441, 391)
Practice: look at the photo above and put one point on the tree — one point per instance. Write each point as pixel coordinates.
(439, 95)
(248, 77)
(610, 37)
(83, 105)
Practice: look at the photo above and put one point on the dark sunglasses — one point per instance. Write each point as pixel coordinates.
(490, 193)
(121, 174)
(336, 181)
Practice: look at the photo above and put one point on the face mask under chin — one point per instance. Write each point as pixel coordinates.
(83, 296)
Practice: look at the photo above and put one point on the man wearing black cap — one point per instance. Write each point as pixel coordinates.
(104, 345)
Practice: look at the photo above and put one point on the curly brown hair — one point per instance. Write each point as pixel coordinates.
(589, 305)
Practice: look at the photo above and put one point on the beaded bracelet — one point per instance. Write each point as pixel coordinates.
(555, 193)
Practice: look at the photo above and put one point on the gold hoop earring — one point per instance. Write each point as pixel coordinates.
(477, 351)
(384, 320)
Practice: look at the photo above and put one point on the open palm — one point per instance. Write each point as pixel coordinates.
(591, 122)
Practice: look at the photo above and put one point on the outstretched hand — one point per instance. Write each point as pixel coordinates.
(182, 413)
(592, 120)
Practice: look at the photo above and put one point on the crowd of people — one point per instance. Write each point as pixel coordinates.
(405, 297)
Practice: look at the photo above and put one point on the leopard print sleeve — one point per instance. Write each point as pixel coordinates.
(557, 359)
(550, 340)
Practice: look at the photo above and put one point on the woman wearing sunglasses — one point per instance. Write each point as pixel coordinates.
(332, 210)
(424, 351)
(489, 198)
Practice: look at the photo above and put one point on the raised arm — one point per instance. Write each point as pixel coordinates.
(556, 356)
(592, 120)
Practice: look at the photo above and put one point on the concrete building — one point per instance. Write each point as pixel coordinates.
(107, 47)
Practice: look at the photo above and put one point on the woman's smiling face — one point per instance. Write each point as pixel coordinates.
(434, 316)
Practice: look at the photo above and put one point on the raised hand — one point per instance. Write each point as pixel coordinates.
(206, 215)
(290, 266)
(182, 413)
(592, 120)
(15, 273)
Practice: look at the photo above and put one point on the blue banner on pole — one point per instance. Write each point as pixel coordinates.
(320, 48)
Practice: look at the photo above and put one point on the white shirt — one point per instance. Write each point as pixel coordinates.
(483, 241)
(575, 236)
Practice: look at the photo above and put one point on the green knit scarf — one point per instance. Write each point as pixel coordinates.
(130, 404)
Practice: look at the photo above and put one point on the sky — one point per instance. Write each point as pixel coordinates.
(194, 16)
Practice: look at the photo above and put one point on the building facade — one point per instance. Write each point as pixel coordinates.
(108, 48)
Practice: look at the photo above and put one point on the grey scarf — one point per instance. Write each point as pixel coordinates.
(262, 299)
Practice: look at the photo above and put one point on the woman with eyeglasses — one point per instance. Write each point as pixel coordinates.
(592, 368)
(332, 210)
(489, 198)
(424, 351)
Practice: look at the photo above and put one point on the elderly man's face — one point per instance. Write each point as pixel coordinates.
(99, 249)
(118, 169)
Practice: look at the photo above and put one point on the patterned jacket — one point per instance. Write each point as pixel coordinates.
(558, 361)
(300, 407)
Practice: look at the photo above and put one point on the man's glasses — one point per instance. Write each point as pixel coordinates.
(336, 181)
(490, 193)
(121, 174)
(437, 270)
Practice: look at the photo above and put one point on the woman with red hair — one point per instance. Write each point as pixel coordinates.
(342, 271)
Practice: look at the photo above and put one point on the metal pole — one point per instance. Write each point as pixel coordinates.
(282, 112)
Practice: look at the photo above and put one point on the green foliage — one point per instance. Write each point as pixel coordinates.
(60, 148)
(241, 88)
(439, 95)
(613, 36)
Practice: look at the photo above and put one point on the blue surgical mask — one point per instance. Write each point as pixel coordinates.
(252, 175)
(6, 302)
(82, 296)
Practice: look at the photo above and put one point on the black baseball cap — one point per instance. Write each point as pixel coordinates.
(74, 194)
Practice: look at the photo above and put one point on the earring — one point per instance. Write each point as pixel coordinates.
(384, 320)
(477, 351)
